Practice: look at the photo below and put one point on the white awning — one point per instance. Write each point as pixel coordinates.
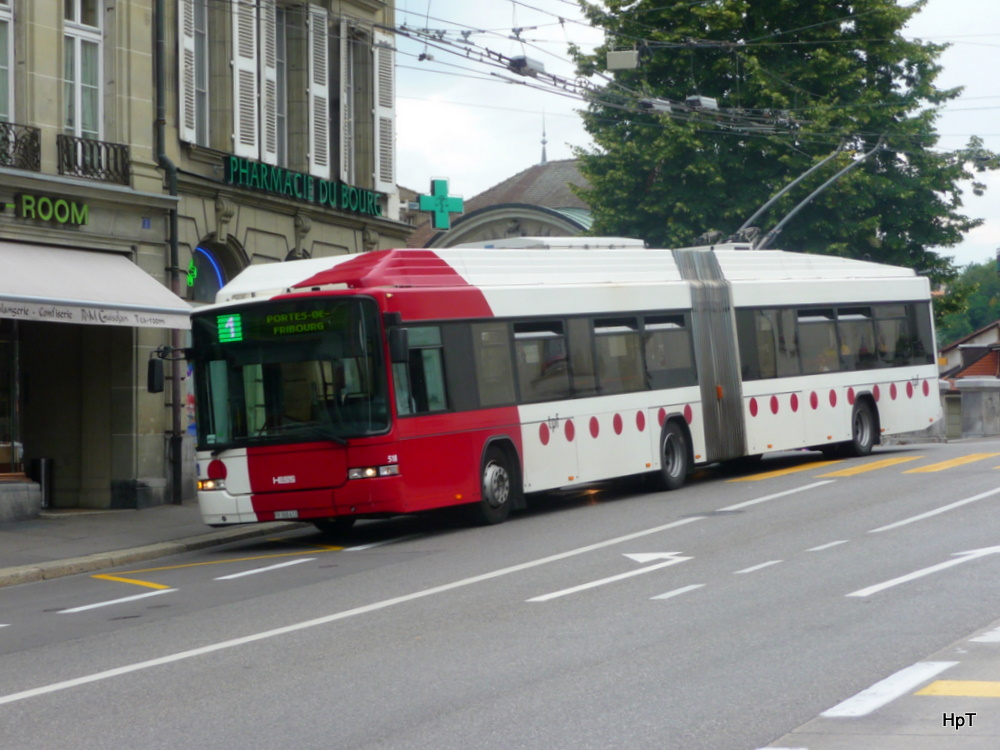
(58, 285)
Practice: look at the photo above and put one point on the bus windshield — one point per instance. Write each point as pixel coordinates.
(289, 371)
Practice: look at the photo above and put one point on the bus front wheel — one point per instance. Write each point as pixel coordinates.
(498, 486)
(674, 460)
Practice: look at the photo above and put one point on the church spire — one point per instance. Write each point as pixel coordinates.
(544, 159)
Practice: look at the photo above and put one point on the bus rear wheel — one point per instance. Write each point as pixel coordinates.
(674, 459)
(862, 431)
(498, 486)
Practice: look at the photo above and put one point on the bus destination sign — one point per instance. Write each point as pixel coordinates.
(271, 325)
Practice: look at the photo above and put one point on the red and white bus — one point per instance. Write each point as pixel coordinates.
(399, 381)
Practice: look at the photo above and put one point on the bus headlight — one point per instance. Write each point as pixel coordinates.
(208, 485)
(368, 472)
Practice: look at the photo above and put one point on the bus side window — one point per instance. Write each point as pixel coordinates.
(420, 383)
(542, 368)
(857, 338)
(494, 369)
(669, 356)
(818, 341)
(619, 355)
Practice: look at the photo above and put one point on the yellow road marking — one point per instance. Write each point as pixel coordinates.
(963, 689)
(874, 465)
(321, 547)
(783, 472)
(971, 458)
(147, 584)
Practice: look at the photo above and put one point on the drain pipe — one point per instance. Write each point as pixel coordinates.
(176, 341)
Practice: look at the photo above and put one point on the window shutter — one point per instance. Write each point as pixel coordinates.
(269, 82)
(186, 112)
(319, 94)
(346, 105)
(245, 119)
(385, 113)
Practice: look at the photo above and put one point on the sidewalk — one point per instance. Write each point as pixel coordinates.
(948, 701)
(67, 542)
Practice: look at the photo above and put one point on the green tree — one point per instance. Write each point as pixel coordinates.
(793, 79)
(978, 287)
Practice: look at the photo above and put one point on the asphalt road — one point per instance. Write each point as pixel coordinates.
(720, 616)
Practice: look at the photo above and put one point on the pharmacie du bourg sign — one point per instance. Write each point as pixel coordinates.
(267, 178)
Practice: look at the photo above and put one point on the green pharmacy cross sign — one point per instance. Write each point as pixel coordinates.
(441, 204)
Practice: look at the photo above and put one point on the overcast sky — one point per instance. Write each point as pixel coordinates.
(476, 125)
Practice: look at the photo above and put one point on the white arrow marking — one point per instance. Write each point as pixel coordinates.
(960, 557)
(669, 558)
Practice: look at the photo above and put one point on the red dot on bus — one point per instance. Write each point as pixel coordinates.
(909, 390)
(661, 416)
(595, 427)
(814, 400)
(617, 424)
(753, 407)
(570, 430)
(833, 397)
(640, 421)
(795, 402)
(850, 395)
(875, 392)
(688, 414)
(892, 391)
(543, 433)
(217, 470)
(927, 388)
(774, 404)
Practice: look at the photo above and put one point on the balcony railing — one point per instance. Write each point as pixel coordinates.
(94, 160)
(20, 146)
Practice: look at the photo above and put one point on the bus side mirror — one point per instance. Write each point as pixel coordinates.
(154, 375)
(399, 345)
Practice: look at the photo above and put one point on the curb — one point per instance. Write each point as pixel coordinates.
(103, 560)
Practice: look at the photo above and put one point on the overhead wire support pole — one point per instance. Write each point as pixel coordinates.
(769, 237)
(787, 187)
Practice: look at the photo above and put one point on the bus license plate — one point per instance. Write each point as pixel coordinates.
(282, 514)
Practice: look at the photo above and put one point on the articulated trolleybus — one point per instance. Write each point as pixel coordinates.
(399, 381)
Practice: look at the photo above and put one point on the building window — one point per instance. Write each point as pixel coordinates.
(300, 95)
(281, 86)
(82, 69)
(6, 63)
(193, 71)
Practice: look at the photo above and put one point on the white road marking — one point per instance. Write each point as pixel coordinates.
(254, 571)
(930, 514)
(327, 619)
(678, 592)
(992, 636)
(822, 547)
(85, 607)
(674, 559)
(959, 558)
(4, 626)
(887, 690)
(383, 543)
(776, 495)
(758, 567)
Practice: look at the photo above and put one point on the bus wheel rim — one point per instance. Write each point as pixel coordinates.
(496, 484)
